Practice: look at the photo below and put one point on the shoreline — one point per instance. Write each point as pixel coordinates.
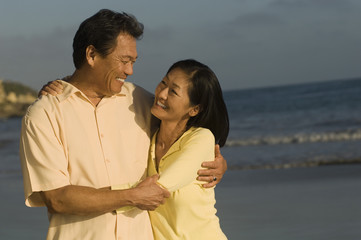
(306, 164)
(13, 110)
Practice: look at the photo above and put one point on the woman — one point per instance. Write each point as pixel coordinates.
(193, 115)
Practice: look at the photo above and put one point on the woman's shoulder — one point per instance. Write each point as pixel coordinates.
(199, 134)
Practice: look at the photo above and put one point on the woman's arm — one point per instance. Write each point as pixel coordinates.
(53, 87)
(180, 167)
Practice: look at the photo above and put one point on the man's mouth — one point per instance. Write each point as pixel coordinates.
(120, 79)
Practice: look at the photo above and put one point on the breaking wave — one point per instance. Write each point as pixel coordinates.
(346, 135)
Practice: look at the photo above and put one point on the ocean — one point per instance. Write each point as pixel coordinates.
(273, 189)
(277, 127)
(290, 126)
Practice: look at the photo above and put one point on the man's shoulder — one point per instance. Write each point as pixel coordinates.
(42, 105)
(138, 95)
(49, 103)
(136, 91)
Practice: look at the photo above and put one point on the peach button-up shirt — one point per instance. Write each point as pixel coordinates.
(66, 140)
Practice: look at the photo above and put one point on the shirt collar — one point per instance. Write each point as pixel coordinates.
(70, 89)
(176, 145)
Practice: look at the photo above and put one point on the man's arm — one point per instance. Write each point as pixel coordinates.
(215, 170)
(80, 200)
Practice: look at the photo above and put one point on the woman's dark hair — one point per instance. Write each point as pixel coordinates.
(101, 30)
(204, 90)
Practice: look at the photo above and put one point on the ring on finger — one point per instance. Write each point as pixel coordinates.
(214, 178)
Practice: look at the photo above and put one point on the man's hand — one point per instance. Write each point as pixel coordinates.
(215, 170)
(150, 194)
(53, 87)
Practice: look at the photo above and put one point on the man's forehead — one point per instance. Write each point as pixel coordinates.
(126, 47)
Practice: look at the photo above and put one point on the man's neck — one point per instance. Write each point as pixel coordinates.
(82, 82)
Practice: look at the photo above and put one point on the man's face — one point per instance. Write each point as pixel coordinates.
(114, 68)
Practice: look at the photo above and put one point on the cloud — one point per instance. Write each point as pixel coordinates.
(262, 19)
(264, 43)
(299, 9)
(308, 4)
(36, 59)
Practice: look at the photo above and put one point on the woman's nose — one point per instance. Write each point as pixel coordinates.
(163, 94)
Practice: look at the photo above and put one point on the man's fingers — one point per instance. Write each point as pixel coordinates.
(209, 164)
(217, 151)
(210, 178)
(210, 182)
(205, 178)
(209, 185)
(155, 176)
(209, 172)
(166, 193)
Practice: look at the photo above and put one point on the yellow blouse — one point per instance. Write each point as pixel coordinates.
(189, 213)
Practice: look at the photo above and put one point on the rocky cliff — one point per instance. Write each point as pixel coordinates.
(14, 99)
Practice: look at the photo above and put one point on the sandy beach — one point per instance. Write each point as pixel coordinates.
(299, 203)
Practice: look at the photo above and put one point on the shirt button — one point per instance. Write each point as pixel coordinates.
(102, 135)
(107, 160)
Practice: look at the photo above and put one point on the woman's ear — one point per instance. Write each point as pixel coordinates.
(194, 110)
(90, 54)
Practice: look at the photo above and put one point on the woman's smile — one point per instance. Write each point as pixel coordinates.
(161, 105)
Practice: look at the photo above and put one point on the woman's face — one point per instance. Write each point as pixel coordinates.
(171, 101)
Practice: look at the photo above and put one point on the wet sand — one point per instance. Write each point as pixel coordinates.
(298, 203)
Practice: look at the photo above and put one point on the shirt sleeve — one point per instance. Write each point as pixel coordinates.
(181, 167)
(43, 158)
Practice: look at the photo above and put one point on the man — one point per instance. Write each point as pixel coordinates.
(94, 135)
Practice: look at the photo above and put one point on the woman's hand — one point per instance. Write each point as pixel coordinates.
(53, 87)
(215, 170)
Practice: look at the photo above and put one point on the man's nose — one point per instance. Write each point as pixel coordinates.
(128, 69)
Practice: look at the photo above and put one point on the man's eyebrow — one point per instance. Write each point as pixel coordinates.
(129, 57)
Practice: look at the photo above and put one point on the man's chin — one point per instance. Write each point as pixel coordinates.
(118, 89)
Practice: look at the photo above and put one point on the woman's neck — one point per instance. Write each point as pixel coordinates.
(167, 135)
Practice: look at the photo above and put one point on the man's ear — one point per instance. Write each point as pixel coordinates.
(195, 110)
(90, 53)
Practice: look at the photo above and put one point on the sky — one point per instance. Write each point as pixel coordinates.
(247, 43)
